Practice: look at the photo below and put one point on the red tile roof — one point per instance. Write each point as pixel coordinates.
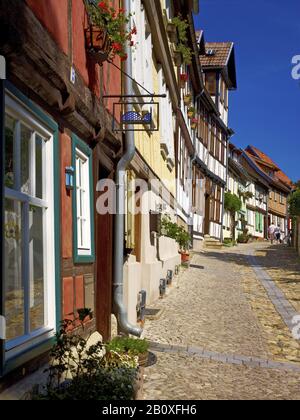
(221, 54)
(279, 174)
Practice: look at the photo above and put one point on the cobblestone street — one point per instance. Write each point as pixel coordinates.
(225, 329)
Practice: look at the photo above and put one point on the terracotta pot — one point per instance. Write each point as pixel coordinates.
(185, 257)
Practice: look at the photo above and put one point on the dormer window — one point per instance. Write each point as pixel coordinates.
(210, 52)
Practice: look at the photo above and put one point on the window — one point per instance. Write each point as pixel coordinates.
(259, 222)
(211, 83)
(281, 198)
(213, 138)
(83, 203)
(29, 227)
(224, 149)
(216, 205)
(204, 132)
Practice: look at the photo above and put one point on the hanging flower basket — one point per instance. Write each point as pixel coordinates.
(194, 124)
(98, 44)
(191, 113)
(187, 99)
(172, 32)
(183, 80)
(107, 34)
(178, 58)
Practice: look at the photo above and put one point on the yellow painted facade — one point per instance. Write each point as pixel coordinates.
(148, 145)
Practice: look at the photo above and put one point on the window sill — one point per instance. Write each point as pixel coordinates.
(84, 259)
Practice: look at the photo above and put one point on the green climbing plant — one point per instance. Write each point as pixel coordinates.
(233, 204)
(182, 28)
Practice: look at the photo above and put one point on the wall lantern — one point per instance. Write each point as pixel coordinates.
(70, 178)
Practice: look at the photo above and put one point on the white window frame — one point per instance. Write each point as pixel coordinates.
(18, 111)
(84, 248)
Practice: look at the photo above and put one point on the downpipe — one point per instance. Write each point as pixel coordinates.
(119, 308)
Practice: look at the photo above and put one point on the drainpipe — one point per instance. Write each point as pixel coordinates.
(119, 233)
(193, 161)
(223, 204)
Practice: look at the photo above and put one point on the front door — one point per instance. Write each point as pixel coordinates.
(207, 215)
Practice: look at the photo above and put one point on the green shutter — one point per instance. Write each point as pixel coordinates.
(261, 223)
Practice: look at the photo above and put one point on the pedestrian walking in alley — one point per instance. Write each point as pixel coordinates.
(277, 234)
(272, 229)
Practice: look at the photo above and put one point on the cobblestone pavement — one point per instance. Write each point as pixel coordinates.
(242, 347)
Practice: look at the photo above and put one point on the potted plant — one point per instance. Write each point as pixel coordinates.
(106, 36)
(187, 99)
(183, 80)
(178, 58)
(172, 32)
(182, 27)
(194, 123)
(191, 112)
(130, 346)
(183, 239)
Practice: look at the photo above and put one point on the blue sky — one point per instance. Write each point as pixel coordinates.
(265, 110)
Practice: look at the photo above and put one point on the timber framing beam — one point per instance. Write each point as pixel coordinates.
(44, 70)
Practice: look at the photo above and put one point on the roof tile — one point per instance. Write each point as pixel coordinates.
(221, 54)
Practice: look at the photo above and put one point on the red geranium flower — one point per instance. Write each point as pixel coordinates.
(117, 46)
(102, 5)
(134, 31)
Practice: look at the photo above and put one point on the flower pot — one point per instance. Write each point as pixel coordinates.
(191, 115)
(172, 32)
(187, 100)
(185, 257)
(143, 359)
(178, 58)
(98, 44)
(193, 126)
(182, 84)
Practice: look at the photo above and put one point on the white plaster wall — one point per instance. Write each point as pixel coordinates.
(198, 223)
(132, 287)
(217, 168)
(168, 254)
(184, 200)
(215, 230)
(224, 113)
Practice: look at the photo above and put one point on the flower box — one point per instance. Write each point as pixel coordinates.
(178, 58)
(172, 32)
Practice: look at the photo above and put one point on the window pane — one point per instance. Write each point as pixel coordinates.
(25, 159)
(9, 151)
(36, 268)
(39, 166)
(14, 289)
